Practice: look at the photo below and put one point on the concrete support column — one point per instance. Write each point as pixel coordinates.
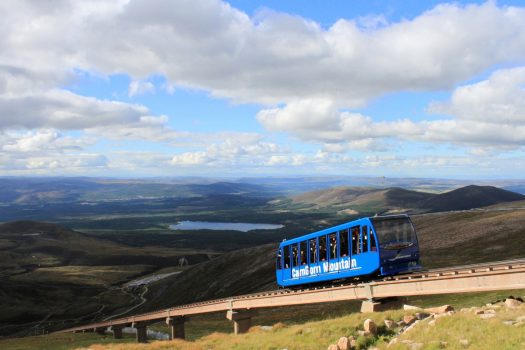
(242, 320)
(117, 332)
(176, 325)
(101, 330)
(142, 331)
(375, 305)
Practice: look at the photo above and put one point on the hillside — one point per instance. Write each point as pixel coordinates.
(49, 272)
(446, 239)
(390, 200)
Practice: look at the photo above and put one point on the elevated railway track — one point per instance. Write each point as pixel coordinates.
(503, 275)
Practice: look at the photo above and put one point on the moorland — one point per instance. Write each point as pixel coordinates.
(69, 247)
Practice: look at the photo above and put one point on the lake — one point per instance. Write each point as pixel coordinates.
(223, 226)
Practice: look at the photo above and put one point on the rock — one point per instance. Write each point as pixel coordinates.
(409, 328)
(353, 342)
(410, 307)
(343, 343)
(421, 315)
(415, 346)
(400, 323)
(464, 342)
(490, 311)
(520, 319)
(512, 303)
(464, 309)
(333, 347)
(389, 324)
(392, 342)
(370, 326)
(479, 312)
(363, 333)
(432, 323)
(408, 319)
(440, 309)
(486, 316)
(509, 322)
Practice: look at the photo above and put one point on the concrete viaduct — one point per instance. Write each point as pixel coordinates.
(504, 275)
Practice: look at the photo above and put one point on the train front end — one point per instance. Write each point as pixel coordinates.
(398, 245)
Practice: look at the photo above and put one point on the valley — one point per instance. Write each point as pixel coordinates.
(79, 265)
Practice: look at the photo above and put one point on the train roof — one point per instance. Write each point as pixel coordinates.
(367, 219)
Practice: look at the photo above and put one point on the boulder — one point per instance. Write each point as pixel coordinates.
(464, 342)
(343, 343)
(421, 315)
(410, 307)
(363, 333)
(392, 342)
(439, 309)
(353, 342)
(389, 324)
(408, 319)
(370, 326)
(486, 316)
(400, 323)
(333, 347)
(409, 328)
(512, 303)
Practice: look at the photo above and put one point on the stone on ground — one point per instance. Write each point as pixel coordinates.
(370, 326)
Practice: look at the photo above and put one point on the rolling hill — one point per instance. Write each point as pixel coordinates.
(54, 274)
(395, 199)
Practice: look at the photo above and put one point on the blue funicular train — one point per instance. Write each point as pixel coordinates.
(363, 248)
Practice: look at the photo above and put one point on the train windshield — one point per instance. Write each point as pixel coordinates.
(395, 233)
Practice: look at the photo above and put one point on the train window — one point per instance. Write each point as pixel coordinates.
(333, 245)
(279, 261)
(287, 257)
(373, 244)
(356, 249)
(322, 248)
(365, 239)
(343, 241)
(295, 256)
(304, 257)
(313, 251)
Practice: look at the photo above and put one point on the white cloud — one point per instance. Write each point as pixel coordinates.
(41, 141)
(138, 87)
(190, 158)
(274, 58)
(64, 110)
(499, 99)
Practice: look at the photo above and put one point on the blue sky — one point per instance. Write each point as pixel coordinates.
(138, 88)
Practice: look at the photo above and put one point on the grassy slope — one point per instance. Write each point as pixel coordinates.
(374, 200)
(318, 334)
(51, 272)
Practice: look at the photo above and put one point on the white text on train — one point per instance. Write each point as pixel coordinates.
(324, 267)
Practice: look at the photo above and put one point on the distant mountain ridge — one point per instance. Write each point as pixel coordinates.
(392, 199)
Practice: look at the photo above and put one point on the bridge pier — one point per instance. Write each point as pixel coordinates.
(142, 331)
(176, 326)
(242, 320)
(376, 305)
(117, 331)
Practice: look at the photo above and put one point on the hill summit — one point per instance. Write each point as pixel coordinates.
(395, 199)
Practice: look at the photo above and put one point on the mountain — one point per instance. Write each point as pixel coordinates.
(395, 199)
(471, 197)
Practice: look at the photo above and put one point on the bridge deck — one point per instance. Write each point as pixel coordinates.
(503, 275)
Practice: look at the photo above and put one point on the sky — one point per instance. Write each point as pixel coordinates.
(149, 88)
